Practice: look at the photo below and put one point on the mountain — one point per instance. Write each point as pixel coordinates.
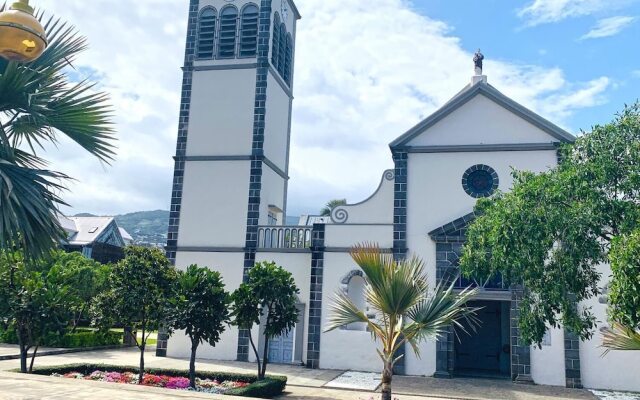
(146, 227)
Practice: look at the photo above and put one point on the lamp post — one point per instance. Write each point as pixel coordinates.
(22, 37)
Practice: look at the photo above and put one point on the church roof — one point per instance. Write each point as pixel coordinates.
(471, 91)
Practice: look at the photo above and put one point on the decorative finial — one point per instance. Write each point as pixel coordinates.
(477, 60)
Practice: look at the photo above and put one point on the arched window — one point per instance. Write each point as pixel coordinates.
(228, 31)
(282, 48)
(354, 287)
(275, 49)
(206, 33)
(287, 59)
(249, 31)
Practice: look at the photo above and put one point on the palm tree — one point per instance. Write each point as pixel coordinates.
(405, 309)
(331, 204)
(39, 102)
(620, 337)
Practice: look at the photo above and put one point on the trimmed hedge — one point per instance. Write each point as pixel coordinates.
(80, 338)
(270, 387)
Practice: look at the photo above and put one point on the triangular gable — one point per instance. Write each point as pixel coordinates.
(453, 229)
(469, 93)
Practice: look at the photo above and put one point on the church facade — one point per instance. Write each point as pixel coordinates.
(229, 204)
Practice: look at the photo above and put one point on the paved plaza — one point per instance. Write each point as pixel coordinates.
(303, 383)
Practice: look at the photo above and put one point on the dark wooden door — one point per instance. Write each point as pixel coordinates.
(481, 350)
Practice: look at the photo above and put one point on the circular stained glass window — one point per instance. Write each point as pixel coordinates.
(480, 181)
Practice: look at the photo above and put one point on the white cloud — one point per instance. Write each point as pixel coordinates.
(636, 73)
(609, 27)
(547, 11)
(364, 75)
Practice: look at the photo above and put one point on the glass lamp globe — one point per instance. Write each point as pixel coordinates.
(22, 37)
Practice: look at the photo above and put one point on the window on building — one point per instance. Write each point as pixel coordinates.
(275, 49)
(356, 293)
(287, 59)
(249, 31)
(282, 48)
(228, 32)
(206, 33)
(272, 218)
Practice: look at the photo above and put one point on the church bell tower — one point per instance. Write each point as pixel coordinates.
(232, 154)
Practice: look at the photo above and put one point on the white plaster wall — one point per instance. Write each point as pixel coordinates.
(547, 363)
(273, 192)
(214, 204)
(481, 121)
(219, 4)
(342, 349)
(435, 193)
(221, 115)
(230, 266)
(378, 208)
(349, 235)
(276, 131)
(299, 264)
(618, 369)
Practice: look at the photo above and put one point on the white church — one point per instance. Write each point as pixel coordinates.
(229, 207)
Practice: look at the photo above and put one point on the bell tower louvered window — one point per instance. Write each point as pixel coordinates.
(228, 32)
(275, 49)
(282, 49)
(206, 33)
(249, 31)
(287, 59)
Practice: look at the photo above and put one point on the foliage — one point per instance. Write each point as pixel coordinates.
(30, 302)
(406, 311)
(624, 294)
(78, 339)
(620, 337)
(201, 309)
(85, 280)
(272, 386)
(554, 228)
(271, 293)
(38, 103)
(141, 286)
(331, 204)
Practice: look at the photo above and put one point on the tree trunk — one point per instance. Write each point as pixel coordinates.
(142, 346)
(76, 320)
(387, 376)
(192, 364)
(23, 356)
(33, 358)
(265, 358)
(255, 350)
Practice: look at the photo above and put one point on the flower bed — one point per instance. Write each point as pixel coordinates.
(163, 381)
(208, 382)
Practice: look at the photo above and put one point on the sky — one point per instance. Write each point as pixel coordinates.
(365, 72)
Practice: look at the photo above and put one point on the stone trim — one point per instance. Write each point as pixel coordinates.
(219, 67)
(452, 229)
(572, 372)
(183, 130)
(480, 148)
(495, 181)
(401, 161)
(315, 296)
(257, 156)
(520, 351)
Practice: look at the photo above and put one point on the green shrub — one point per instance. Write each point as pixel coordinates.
(80, 338)
(268, 388)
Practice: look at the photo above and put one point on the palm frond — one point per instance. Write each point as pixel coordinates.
(620, 337)
(343, 312)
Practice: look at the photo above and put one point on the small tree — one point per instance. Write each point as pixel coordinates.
(201, 309)
(85, 280)
(141, 287)
(31, 302)
(270, 293)
(406, 311)
(624, 295)
(331, 204)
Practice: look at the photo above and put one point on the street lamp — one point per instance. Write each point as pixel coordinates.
(22, 37)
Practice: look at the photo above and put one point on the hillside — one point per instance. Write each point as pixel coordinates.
(146, 226)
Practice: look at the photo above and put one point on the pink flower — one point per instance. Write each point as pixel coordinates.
(177, 383)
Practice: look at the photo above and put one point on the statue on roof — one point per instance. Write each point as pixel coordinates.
(477, 60)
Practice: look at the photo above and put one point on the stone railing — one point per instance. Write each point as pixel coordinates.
(284, 237)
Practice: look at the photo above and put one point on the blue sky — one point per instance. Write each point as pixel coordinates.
(365, 72)
(496, 27)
